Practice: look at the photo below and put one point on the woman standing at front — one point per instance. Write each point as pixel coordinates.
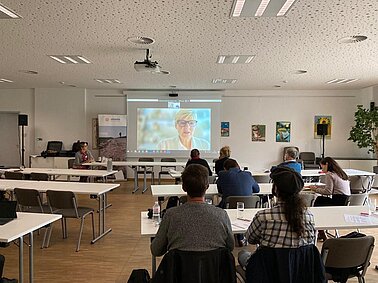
(337, 187)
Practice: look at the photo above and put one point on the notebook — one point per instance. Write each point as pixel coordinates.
(7, 211)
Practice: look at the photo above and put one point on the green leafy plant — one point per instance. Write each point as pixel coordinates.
(365, 131)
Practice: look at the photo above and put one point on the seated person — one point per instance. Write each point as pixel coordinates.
(83, 156)
(289, 224)
(235, 182)
(196, 159)
(224, 154)
(195, 225)
(290, 157)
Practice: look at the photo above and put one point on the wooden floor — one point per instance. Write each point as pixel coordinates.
(112, 258)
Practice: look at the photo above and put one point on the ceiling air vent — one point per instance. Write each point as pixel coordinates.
(352, 39)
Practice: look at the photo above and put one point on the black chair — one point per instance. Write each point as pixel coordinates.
(347, 257)
(14, 175)
(65, 203)
(39, 176)
(146, 169)
(164, 170)
(249, 201)
(284, 265)
(309, 160)
(214, 266)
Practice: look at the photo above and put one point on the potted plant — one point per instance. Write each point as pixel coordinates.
(365, 131)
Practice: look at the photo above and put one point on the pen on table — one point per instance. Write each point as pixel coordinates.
(364, 214)
(244, 219)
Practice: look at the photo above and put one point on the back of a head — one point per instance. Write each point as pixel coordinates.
(195, 180)
(230, 163)
(334, 167)
(292, 152)
(194, 153)
(287, 181)
(225, 152)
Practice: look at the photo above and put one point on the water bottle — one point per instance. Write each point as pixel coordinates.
(109, 165)
(156, 212)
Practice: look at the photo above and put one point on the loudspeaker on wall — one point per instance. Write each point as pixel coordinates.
(322, 129)
(22, 120)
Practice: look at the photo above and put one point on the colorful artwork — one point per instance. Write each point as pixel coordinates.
(323, 119)
(225, 129)
(283, 131)
(94, 133)
(258, 133)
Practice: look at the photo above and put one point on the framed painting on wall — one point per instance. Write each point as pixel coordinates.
(225, 129)
(283, 131)
(94, 133)
(258, 133)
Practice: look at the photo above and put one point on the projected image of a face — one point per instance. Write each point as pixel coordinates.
(173, 129)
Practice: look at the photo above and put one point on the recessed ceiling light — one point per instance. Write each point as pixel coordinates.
(29, 72)
(352, 39)
(141, 40)
(6, 13)
(70, 59)
(108, 81)
(235, 59)
(261, 8)
(224, 81)
(5, 81)
(299, 72)
(341, 81)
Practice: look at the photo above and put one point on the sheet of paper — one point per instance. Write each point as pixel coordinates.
(357, 219)
(241, 223)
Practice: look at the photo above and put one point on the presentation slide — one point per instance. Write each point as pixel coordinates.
(173, 129)
(162, 127)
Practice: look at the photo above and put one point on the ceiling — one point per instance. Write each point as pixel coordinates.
(189, 36)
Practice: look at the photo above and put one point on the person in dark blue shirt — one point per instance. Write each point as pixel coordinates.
(235, 182)
(290, 157)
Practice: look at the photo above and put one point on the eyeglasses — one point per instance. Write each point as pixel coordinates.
(183, 123)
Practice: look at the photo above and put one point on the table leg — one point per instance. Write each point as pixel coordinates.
(21, 260)
(101, 216)
(31, 258)
(135, 179)
(145, 179)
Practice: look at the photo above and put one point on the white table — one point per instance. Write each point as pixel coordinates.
(52, 172)
(318, 173)
(326, 218)
(24, 224)
(95, 190)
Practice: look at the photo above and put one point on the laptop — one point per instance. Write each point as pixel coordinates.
(7, 211)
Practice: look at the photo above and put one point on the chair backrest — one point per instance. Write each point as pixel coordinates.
(61, 200)
(262, 179)
(357, 199)
(308, 198)
(14, 175)
(214, 266)
(348, 252)
(167, 159)
(28, 198)
(286, 148)
(249, 201)
(359, 184)
(295, 265)
(39, 176)
(307, 157)
(145, 159)
(70, 163)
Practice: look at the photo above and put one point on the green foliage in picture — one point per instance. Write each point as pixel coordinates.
(365, 131)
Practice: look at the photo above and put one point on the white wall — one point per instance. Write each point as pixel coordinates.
(21, 100)
(66, 114)
(244, 108)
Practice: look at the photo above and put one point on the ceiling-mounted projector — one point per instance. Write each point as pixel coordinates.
(149, 66)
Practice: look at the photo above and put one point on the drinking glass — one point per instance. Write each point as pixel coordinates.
(372, 205)
(240, 210)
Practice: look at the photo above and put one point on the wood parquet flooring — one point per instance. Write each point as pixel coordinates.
(112, 258)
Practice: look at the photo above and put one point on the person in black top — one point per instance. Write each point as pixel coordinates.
(195, 159)
(224, 154)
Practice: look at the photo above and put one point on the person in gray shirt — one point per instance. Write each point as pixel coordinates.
(195, 225)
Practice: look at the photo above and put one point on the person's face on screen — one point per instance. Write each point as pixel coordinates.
(186, 127)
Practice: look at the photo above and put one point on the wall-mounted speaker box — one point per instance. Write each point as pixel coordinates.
(22, 120)
(173, 94)
(322, 129)
(372, 105)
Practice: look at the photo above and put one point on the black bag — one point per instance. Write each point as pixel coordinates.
(139, 276)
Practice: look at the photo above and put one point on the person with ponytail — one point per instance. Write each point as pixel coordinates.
(288, 224)
(337, 187)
